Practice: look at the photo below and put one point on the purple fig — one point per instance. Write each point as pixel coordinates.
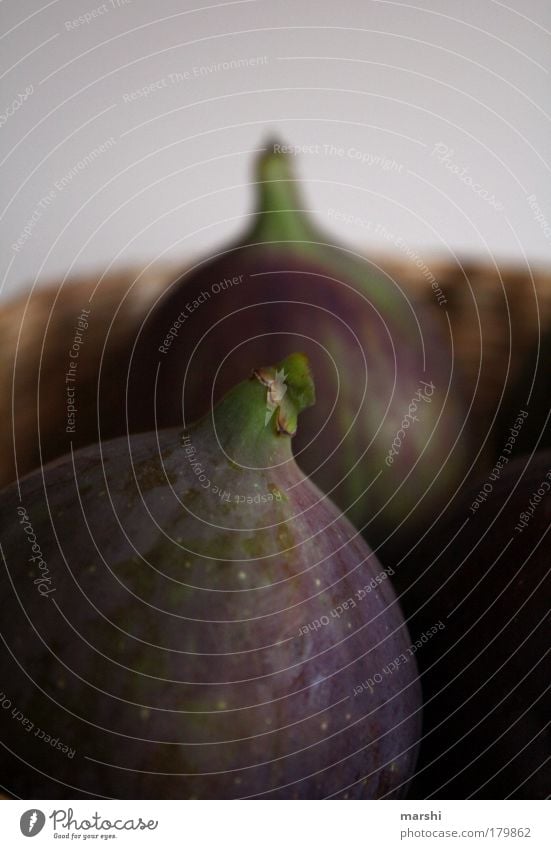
(185, 615)
(387, 441)
(484, 575)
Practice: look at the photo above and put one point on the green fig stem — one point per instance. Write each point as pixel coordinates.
(254, 422)
(280, 215)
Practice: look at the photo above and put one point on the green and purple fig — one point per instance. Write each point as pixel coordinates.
(525, 417)
(484, 581)
(388, 439)
(185, 615)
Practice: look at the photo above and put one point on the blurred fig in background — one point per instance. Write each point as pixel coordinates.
(200, 621)
(486, 575)
(389, 439)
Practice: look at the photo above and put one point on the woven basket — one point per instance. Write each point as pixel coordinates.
(494, 316)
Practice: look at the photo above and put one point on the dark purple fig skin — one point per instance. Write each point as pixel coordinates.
(370, 350)
(485, 677)
(166, 648)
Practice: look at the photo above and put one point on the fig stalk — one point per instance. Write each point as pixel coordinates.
(279, 215)
(254, 421)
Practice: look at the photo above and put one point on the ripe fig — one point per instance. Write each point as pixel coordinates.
(185, 615)
(387, 441)
(485, 675)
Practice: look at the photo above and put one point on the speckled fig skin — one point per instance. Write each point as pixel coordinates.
(283, 285)
(485, 677)
(164, 637)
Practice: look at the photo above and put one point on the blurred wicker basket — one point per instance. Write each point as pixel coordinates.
(494, 316)
(36, 336)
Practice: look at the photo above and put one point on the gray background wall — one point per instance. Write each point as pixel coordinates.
(445, 103)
